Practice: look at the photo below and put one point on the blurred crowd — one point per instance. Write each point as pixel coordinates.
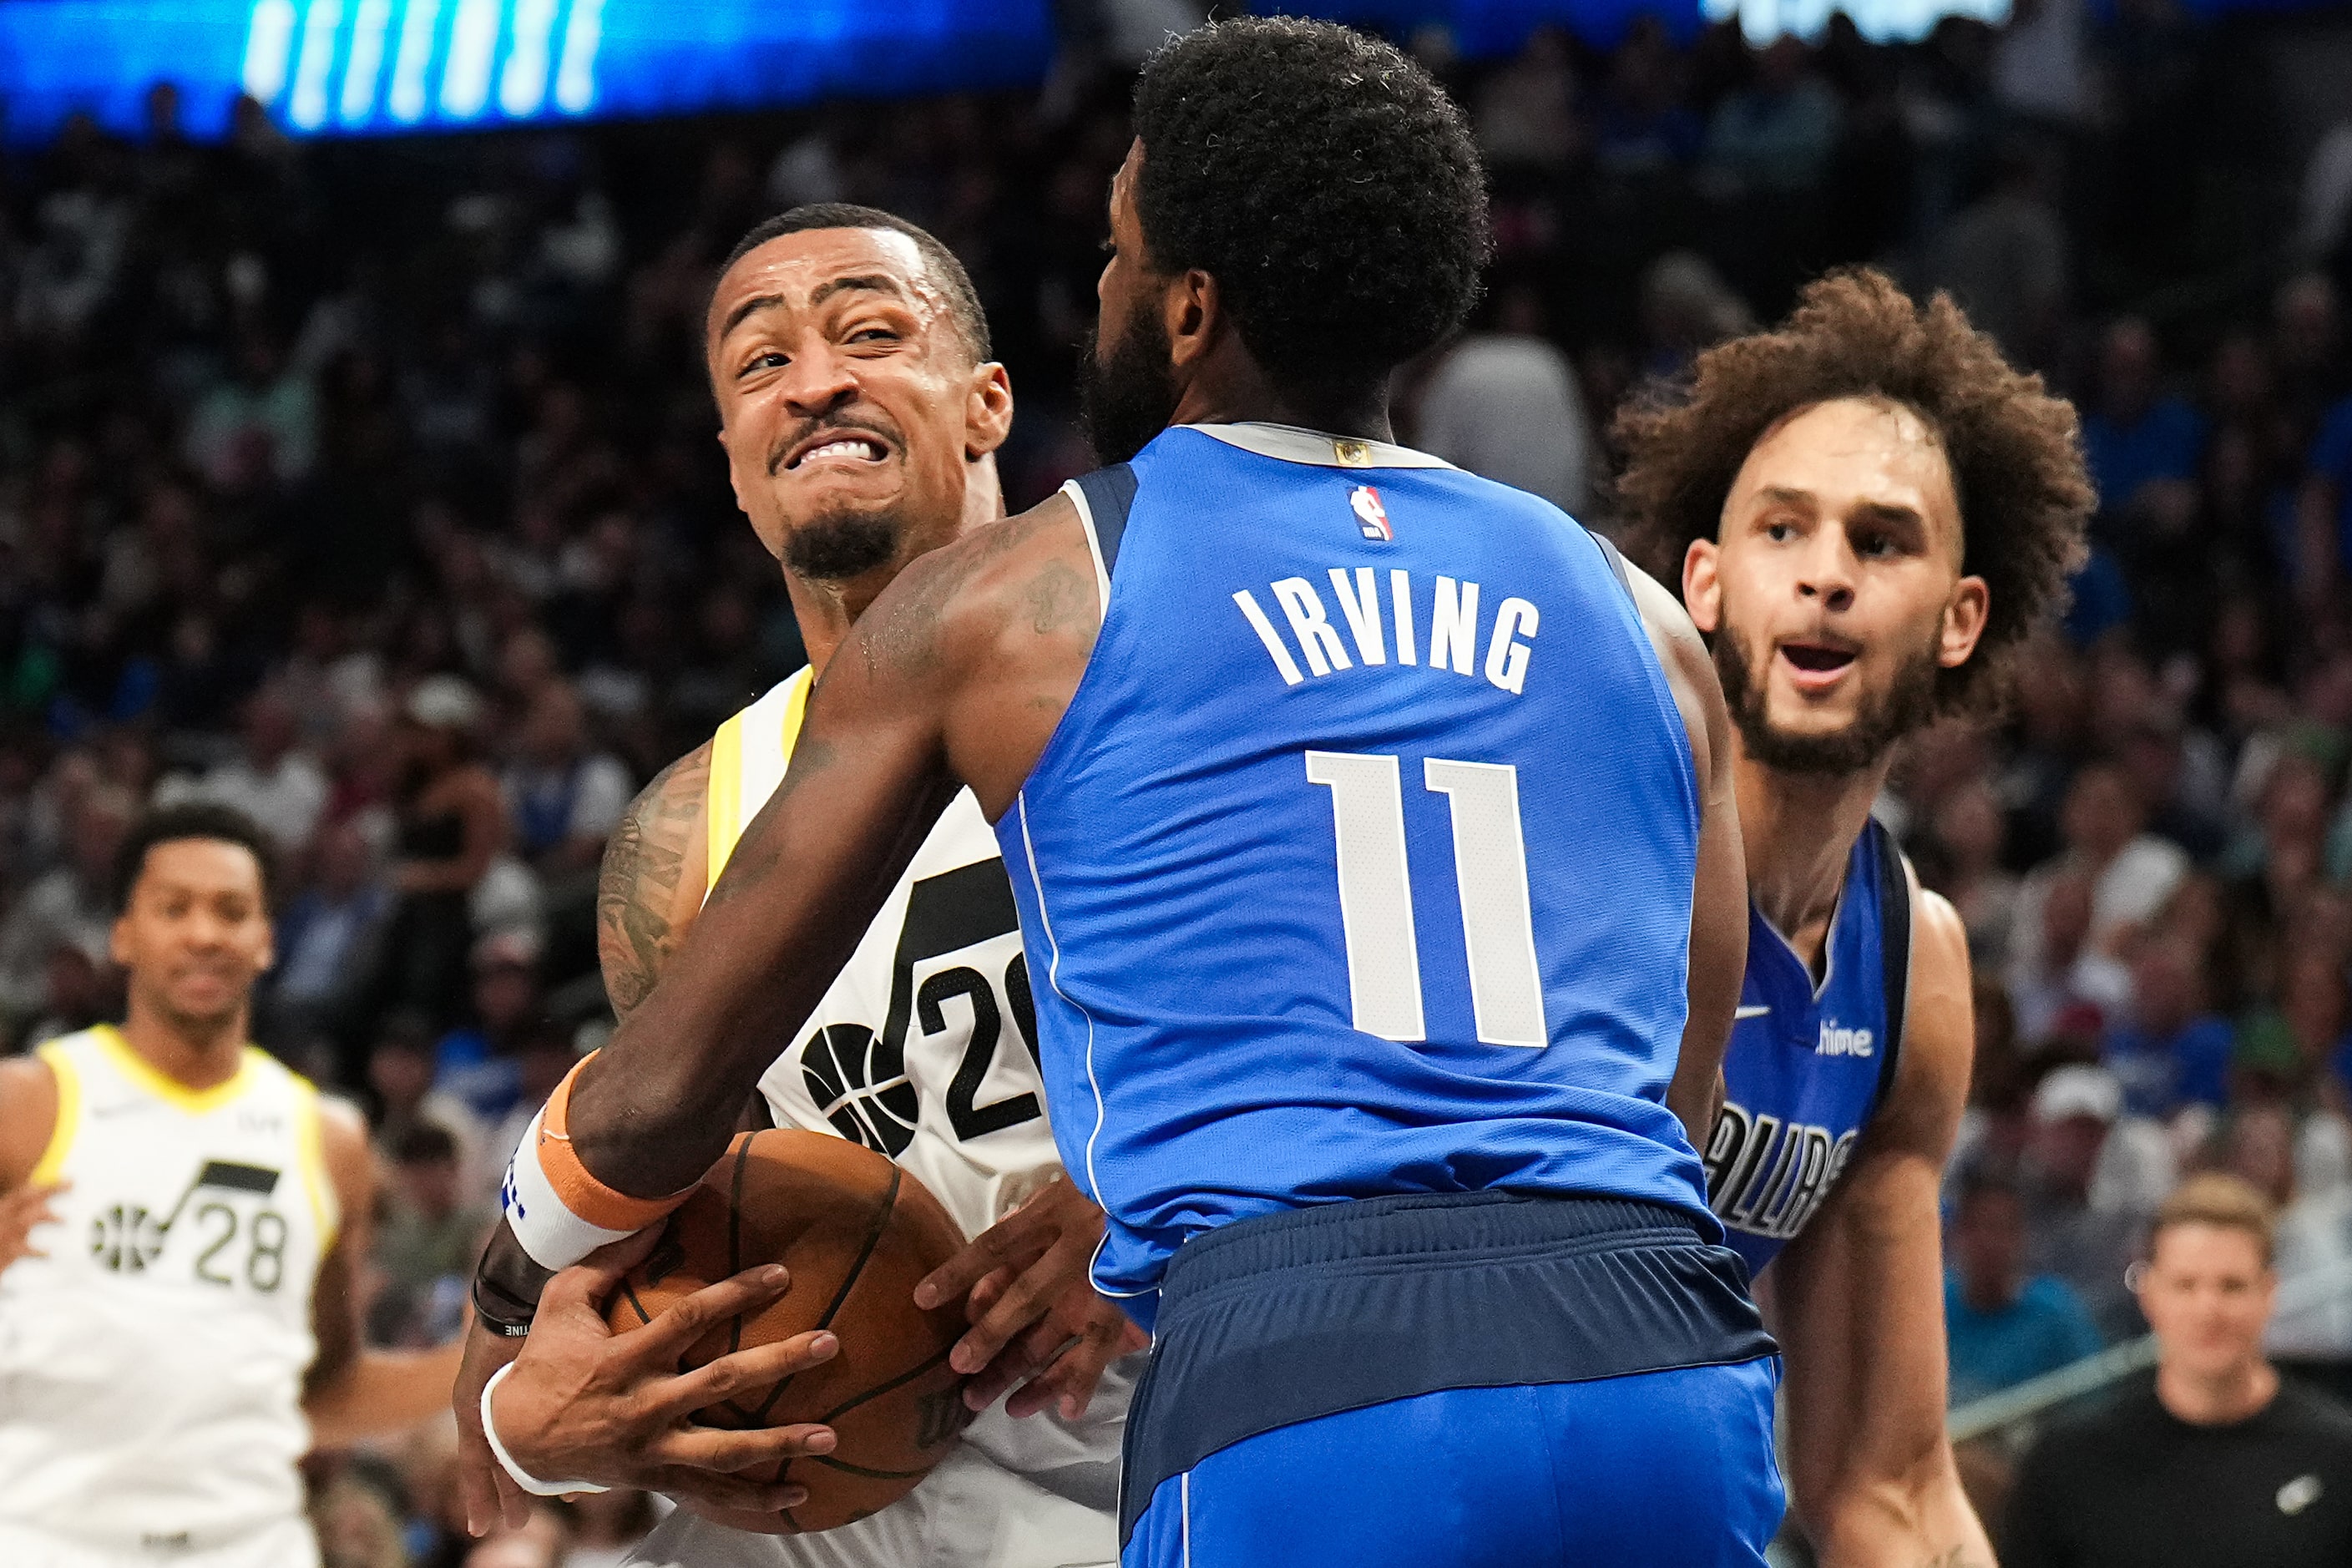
(370, 487)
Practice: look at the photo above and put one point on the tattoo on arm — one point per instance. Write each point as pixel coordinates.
(637, 887)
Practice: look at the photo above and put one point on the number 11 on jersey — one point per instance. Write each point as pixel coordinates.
(1490, 869)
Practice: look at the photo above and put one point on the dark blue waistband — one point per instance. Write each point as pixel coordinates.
(1288, 1317)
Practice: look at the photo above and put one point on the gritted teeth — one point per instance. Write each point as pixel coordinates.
(861, 447)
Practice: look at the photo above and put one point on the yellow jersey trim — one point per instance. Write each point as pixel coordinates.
(724, 798)
(52, 1163)
(740, 779)
(310, 1140)
(169, 1089)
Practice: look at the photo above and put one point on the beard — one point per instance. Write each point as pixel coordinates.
(1909, 703)
(839, 546)
(1129, 398)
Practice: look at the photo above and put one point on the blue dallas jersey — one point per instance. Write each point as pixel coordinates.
(1361, 862)
(1808, 1067)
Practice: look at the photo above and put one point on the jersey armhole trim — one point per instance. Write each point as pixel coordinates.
(1895, 951)
(722, 799)
(310, 1141)
(51, 1166)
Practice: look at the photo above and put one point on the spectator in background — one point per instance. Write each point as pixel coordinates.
(1775, 135)
(259, 427)
(72, 906)
(2323, 508)
(2004, 1326)
(1506, 403)
(451, 827)
(1968, 834)
(2130, 874)
(2090, 1182)
(78, 994)
(2216, 1463)
(478, 1061)
(563, 800)
(2312, 1233)
(400, 1073)
(2172, 1048)
(2137, 438)
(607, 1526)
(328, 939)
(430, 1240)
(541, 1542)
(271, 779)
(2004, 259)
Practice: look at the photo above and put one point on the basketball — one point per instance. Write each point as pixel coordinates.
(857, 1233)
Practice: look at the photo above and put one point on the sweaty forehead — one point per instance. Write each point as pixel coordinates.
(791, 268)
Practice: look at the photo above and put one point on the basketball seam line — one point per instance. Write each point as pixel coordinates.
(878, 1390)
(881, 1221)
(869, 1473)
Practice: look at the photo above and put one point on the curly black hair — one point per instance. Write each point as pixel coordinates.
(2014, 450)
(1326, 182)
(190, 819)
(963, 299)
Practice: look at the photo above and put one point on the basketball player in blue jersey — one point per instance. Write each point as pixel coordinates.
(1868, 510)
(1374, 840)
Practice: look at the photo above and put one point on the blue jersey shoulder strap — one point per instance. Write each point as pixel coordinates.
(1894, 945)
(1107, 494)
(1616, 559)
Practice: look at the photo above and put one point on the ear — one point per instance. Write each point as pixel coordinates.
(1964, 622)
(987, 411)
(1196, 317)
(1701, 587)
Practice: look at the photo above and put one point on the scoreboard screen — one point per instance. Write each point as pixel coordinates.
(383, 67)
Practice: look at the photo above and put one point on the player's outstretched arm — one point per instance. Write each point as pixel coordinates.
(955, 676)
(1861, 1297)
(1718, 935)
(353, 1392)
(28, 1113)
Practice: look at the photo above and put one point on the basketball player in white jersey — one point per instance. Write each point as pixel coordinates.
(861, 413)
(179, 1321)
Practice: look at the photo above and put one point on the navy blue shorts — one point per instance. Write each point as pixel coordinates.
(1466, 1378)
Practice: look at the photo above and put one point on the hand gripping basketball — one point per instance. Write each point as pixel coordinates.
(1035, 1312)
(587, 1404)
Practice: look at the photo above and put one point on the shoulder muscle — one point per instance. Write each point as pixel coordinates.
(28, 1115)
(651, 882)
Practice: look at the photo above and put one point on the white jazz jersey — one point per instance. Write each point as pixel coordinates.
(152, 1365)
(925, 1050)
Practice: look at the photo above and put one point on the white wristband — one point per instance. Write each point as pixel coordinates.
(547, 1230)
(519, 1476)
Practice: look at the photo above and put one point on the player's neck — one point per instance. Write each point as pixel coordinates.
(1232, 390)
(1799, 830)
(198, 1054)
(2244, 1391)
(826, 609)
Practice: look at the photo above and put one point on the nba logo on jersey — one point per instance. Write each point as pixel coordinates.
(1371, 517)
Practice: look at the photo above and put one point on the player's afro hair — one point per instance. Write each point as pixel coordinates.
(1326, 182)
(2015, 452)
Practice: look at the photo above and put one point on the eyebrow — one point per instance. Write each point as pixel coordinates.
(870, 282)
(1885, 512)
